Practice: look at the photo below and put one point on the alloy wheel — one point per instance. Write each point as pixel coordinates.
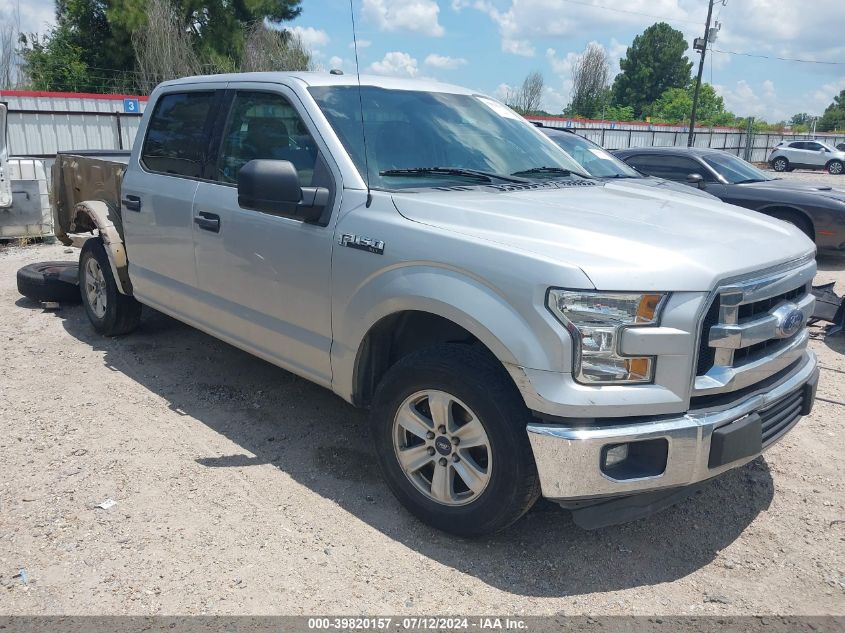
(442, 447)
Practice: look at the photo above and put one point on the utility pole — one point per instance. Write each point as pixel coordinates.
(701, 46)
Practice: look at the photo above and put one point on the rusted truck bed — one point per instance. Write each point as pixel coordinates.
(86, 175)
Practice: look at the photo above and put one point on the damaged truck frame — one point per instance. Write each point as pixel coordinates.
(516, 327)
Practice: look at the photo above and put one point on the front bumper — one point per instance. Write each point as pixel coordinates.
(569, 459)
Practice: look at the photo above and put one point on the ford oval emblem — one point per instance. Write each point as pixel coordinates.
(789, 320)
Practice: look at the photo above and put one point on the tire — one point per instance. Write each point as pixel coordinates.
(110, 312)
(485, 406)
(50, 281)
(780, 164)
(835, 168)
(796, 219)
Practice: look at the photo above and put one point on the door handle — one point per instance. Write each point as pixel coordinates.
(132, 203)
(208, 221)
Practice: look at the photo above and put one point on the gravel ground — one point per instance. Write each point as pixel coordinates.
(240, 489)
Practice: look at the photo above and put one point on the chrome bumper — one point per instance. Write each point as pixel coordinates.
(569, 459)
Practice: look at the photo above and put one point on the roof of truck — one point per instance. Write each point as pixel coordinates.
(321, 78)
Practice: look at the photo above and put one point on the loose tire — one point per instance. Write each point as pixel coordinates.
(795, 219)
(50, 281)
(448, 426)
(110, 312)
(834, 168)
(780, 164)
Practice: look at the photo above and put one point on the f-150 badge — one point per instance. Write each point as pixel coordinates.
(362, 243)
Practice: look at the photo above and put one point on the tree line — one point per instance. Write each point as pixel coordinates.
(107, 46)
(655, 84)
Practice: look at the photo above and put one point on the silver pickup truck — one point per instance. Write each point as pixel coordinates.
(516, 327)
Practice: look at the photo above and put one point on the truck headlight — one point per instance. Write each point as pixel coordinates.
(595, 321)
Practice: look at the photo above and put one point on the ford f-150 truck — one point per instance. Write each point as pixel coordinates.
(515, 327)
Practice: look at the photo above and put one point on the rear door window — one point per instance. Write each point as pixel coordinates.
(669, 167)
(177, 136)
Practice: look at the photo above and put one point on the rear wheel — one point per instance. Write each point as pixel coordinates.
(110, 312)
(834, 167)
(780, 164)
(449, 429)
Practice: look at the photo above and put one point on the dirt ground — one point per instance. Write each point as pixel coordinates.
(241, 488)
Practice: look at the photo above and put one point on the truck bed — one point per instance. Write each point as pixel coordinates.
(86, 175)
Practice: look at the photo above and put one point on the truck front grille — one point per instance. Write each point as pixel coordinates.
(745, 333)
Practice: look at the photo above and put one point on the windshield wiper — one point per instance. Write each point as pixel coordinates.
(623, 176)
(483, 176)
(556, 171)
(748, 180)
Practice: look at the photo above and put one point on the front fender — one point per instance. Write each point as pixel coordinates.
(523, 337)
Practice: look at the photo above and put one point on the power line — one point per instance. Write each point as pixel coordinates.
(647, 15)
(783, 59)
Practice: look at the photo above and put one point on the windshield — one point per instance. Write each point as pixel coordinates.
(733, 169)
(438, 134)
(593, 159)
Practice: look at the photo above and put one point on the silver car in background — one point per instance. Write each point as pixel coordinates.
(789, 155)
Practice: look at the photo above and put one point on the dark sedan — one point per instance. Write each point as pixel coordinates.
(818, 210)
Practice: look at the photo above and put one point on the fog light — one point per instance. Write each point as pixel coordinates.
(615, 454)
(635, 460)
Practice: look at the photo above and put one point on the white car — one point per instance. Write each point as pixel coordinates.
(789, 155)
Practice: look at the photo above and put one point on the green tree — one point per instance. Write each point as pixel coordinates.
(619, 113)
(833, 117)
(54, 62)
(675, 105)
(92, 39)
(654, 62)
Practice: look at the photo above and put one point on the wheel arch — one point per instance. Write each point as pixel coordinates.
(831, 161)
(428, 307)
(96, 215)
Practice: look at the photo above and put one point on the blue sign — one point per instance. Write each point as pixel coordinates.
(131, 106)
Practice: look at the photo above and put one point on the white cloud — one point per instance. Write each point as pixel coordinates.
(396, 64)
(33, 16)
(764, 100)
(769, 27)
(361, 44)
(419, 16)
(311, 38)
(336, 62)
(444, 62)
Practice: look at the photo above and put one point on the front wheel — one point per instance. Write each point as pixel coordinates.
(449, 429)
(780, 164)
(834, 167)
(110, 312)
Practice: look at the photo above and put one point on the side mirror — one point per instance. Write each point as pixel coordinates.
(696, 180)
(272, 186)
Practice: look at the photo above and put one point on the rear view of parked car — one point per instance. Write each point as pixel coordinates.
(789, 155)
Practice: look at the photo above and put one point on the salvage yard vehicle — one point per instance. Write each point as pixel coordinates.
(599, 163)
(817, 209)
(515, 326)
(789, 155)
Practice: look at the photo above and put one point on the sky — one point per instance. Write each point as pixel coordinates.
(491, 45)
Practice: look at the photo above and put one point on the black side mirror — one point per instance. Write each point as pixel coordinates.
(696, 180)
(272, 186)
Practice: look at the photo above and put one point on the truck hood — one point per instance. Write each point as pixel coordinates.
(622, 237)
